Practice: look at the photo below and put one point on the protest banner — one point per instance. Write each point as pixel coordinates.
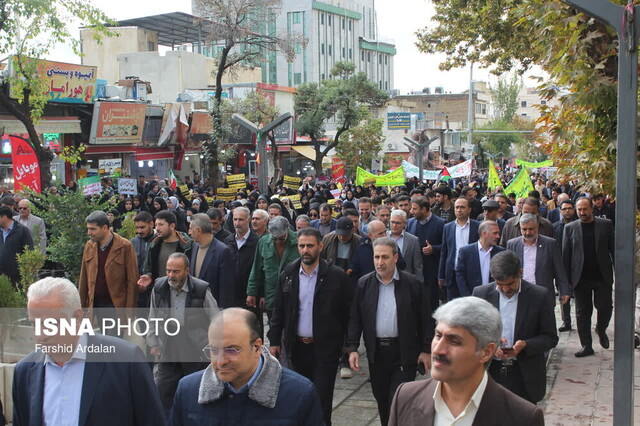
(291, 181)
(127, 186)
(90, 185)
(226, 194)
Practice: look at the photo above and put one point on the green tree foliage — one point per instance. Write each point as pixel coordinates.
(361, 145)
(244, 33)
(65, 216)
(347, 98)
(505, 96)
(579, 54)
(29, 29)
(504, 144)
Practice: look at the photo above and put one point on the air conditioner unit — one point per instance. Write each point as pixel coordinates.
(391, 146)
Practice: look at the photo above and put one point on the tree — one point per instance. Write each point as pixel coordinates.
(29, 29)
(503, 144)
(244, 31)
(579, 54)
(505, 97)
(347, 98)
(361, 145)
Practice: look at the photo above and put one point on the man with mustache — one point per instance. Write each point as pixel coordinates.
(310, 316)
(186, 299)
(467, 336)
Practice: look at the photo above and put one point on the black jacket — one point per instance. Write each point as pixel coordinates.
(222, 235)
(416, 326)
(331, 304)
(17, 240)
(243, 262)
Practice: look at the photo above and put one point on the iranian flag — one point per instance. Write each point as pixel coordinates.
(444, 175)
(173, 183)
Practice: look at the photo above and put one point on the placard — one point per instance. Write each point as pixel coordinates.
(127, 186)
(90, 185)
(291, 181)
(110, 166)
(336, 193)
(237, 181)
(184, 190)
(295, 200)
(226, 194)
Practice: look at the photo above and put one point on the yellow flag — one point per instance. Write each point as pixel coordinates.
(494, 179)
(521, 185)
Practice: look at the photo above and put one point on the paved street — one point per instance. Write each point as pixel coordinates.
(580, 390)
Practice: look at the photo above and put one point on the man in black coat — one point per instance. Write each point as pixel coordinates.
(391, 308)
(242, 245)
(310, 316)
(15, 238)
(529, 328)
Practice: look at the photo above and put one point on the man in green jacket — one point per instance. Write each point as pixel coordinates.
(275, 250)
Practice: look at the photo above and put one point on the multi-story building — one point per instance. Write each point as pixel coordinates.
(335, 30)
(528, 99)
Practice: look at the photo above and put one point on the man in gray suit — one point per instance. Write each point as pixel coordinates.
(588, 253)
(407, 243)
(541, 259)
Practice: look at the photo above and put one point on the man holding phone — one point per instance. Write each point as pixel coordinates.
(519, 363)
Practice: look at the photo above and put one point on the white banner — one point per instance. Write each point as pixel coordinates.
(462, 169)
(127, 186)
(412, 171)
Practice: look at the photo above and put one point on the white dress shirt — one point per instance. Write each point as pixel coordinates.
(529, 253)
(462, 237)
(387, 314)
(485, 262)
(443, 415)
(508, 312)
(399, 241)
(241, 240)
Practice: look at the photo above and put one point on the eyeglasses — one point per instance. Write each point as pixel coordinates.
(313, 215)
(213, 353)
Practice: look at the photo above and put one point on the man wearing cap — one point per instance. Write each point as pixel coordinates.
(340, 245)
(491, 210)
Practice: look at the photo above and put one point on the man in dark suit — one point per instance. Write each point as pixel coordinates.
(408, 244)
(310, 316)
(503, 211)
(588, 251)
(391, 310)
(428, 228)
(456, 234)
(528, 328)
(467, 336)
(554, 215)
(541, 260)
(474, 259)
(114, 387)
(242, 245)
(211, 260)
(568, 212)
(511, 228)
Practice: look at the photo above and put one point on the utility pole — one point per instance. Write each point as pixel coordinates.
(624, 20)
(470, 109)
(261, 144)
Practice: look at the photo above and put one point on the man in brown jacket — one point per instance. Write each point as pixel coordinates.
(460, 391)
(109, 270)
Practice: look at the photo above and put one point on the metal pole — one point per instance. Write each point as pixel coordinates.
(263, 171)
(420, 160)
(470, 109)
(623, 356)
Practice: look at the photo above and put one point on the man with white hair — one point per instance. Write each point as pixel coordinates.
(75, 385)
(460, 391)
(34, 223)
(260, 222)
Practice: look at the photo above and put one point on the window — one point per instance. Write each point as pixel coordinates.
(386, 59)
(330, 52)
(379, 58)
(362, 56)
(349, 25)
(543, 102)
(151, 46)
(386, 85)
(344, 23)
(329, 19)
(523, 104)
(350, 53)
(297, 78)
(322, 76)
(322, 48)
(368, 56)
(344, 52)
(322, 19)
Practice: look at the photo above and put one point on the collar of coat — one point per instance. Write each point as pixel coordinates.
(264, 390)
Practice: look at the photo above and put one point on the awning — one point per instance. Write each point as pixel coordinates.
(306, 150)
(154, 153)
(45, 125)
(109, 149)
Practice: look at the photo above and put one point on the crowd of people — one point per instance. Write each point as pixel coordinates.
(448, 279)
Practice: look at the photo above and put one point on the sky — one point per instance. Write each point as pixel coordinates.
(398, 20)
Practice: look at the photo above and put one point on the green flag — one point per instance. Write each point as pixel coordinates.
(548, 163)
(393, 178)
(521, 185)
(494, 179)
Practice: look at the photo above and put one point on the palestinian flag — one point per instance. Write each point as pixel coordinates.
(173, 183)
(444, 175)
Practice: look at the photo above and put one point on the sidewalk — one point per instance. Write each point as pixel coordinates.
(579, 390)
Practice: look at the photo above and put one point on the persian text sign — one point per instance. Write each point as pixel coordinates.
(226, 194)
(26, 167)
(460, 170)
(291, 181)
(90, 185)
(127, 186)
(237, 181)
(69, 83)
(337, 170)
(117, 122)
(398, 120)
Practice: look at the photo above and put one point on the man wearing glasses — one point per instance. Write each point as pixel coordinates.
(33, 222)
(243, 382)
(186, 299)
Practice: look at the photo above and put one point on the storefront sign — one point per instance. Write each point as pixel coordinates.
(110, 166)
(117, 123)
(398, 120)
(69, 83)
(26, 167)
